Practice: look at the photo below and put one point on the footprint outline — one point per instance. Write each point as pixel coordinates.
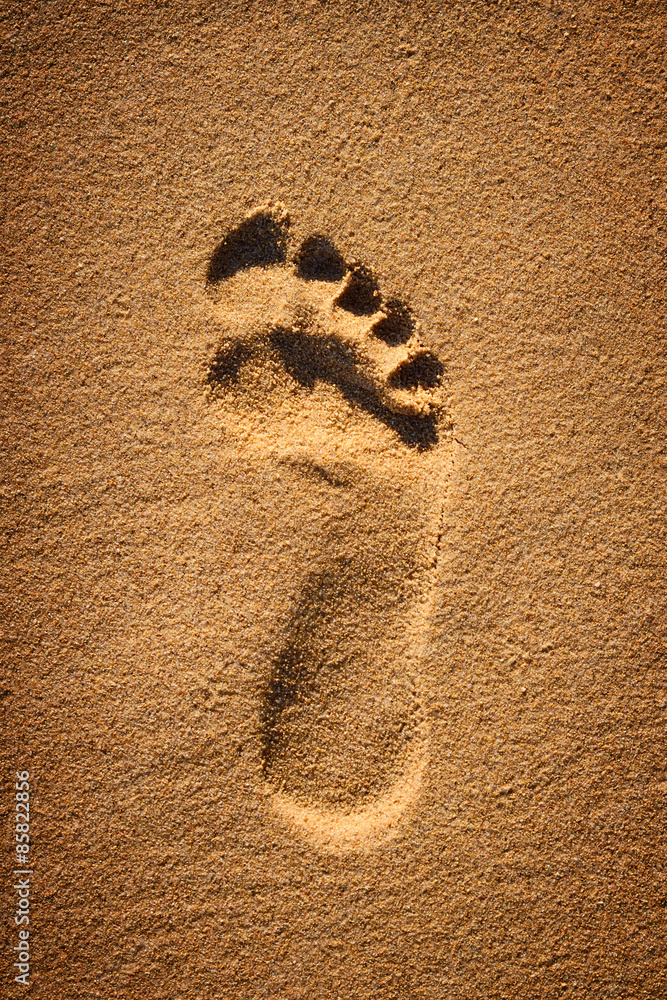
(404, 394)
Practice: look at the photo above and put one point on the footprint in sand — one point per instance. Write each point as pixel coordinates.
(319, 374)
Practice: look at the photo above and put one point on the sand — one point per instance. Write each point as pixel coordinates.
(333, 498)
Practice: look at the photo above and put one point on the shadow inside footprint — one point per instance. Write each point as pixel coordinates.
(362, 295)
(259, 241)
(319, 260)
(309, 358)
(225, 368)
(333, 726)
(425, 370)
(399, 324)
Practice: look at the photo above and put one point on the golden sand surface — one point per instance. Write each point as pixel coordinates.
(333, 498)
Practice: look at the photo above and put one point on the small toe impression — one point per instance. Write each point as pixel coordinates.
(260, 241)
(397, 326)
(361, 295)
(225, 368)
(423, 372)
(319, 260)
